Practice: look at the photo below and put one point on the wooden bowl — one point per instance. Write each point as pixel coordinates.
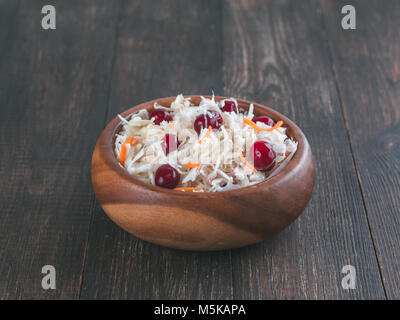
(209, 220)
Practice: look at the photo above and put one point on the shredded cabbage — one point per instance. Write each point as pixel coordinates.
(220, 165)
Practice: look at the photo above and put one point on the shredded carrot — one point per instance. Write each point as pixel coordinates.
(251, 124)
(276, 126)
(206, 135)
(257, 128)
(131, 140)
(122, 155)
(192, 165)
(189, 189)
(246, 163)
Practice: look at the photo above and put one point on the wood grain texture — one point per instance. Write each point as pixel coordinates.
(275, 53)
(366, 64)
(53, 92)
(169, 48)
(206, 221)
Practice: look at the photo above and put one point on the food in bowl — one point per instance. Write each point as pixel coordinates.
(210, 147)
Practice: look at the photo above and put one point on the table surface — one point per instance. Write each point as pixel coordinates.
(58, 89)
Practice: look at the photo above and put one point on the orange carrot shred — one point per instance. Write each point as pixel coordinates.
(192, 165)
(276, 126)
(206, 135)
(246, 163)
(131, 140)
(251, 124)
(122, 155)
(189, 189)
(257, 128)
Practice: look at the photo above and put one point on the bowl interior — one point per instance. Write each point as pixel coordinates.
(115, 126)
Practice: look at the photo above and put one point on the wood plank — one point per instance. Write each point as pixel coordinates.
(168, 48)
(275, 53)
(366, 63)
(8, 13)
(54, 92)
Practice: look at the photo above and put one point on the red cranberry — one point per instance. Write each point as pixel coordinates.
(160, 115)
(230, 106)
(169, 143)
(264, 156)
(211, 119)
(167, 177)
(267, 120)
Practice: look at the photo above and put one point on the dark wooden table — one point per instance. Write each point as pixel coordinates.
(58, 89)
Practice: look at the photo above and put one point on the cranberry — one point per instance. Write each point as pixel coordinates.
(160, 115)
(169, 143)
(230, 106)
(264, 156)
(211, 119)
(267, 120)
(167, 177)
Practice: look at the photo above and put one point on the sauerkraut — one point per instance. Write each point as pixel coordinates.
(215, 159)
